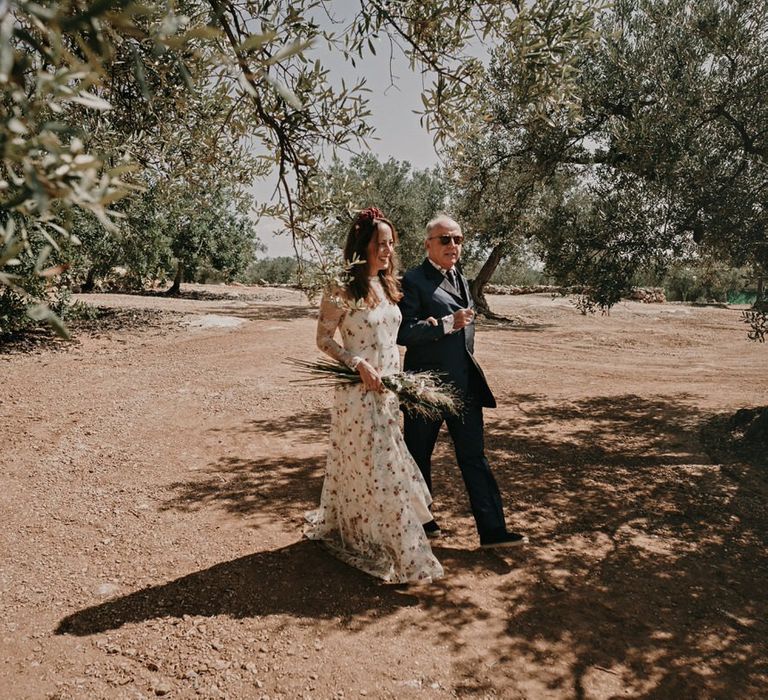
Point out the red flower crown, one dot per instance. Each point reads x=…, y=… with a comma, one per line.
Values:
x=369, y=214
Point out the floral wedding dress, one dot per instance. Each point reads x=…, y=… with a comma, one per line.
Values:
x=374, y=499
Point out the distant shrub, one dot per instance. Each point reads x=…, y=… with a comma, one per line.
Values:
x=13, y=306
x=281, y=270
x=13, y=312
x=707, y=283
x=206, y=274
x=518, y=274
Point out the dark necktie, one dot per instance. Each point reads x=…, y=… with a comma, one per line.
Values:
x=453, y=279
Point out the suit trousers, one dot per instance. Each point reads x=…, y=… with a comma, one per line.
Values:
x=466, y=431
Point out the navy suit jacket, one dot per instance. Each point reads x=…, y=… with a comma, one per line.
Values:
x=427, y=292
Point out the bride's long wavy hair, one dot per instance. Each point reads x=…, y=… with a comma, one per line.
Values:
x=364, y=229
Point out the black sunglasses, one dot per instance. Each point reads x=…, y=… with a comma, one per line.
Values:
x=445, y=240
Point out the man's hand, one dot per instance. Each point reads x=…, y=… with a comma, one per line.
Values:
x=431, y=320
x=462, y=318
x=371, y=378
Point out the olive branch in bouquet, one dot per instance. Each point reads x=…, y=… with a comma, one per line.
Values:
x=419, y=393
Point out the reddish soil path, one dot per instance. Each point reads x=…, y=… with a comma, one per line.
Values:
x=153, y=483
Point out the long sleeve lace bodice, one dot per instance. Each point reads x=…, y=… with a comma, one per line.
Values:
x=369, y=334
x=332, y=312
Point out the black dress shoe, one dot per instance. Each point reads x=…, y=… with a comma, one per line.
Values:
x=503, y=539
x=432, y=529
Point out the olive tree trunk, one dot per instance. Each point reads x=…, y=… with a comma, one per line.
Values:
x=760, y=301
x=477, y=285
x=90, y=280
x=177, y=280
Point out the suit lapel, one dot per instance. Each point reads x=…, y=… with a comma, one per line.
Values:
x=433, y=273
x=446, y=286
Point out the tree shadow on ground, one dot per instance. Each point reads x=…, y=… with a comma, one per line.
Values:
x=647, y=567
x=507, y=323
x=262, y=312
x=310, y=426
x=249, y=486
x=106, y=320
x=226, y=293
x=648, y=564
x=287, y=486
x=739, y=438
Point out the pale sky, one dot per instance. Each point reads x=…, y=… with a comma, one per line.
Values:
x=399, y=133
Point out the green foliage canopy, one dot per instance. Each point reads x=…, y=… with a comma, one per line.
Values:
x=409, y=198
x=135, y=76
x=664, y=156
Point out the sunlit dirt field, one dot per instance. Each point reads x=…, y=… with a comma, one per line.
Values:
x=153, y=482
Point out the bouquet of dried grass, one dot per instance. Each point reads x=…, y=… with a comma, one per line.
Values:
x=420, y=393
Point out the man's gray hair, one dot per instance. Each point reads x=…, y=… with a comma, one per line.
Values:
x=442, y=220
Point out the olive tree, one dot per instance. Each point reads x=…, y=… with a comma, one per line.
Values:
x=408, y=197
x=665, y=153
x=62, y=57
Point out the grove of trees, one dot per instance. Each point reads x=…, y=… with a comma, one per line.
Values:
x=409, y=198
x=609, y=139
x=663, y=158
x=136, y=118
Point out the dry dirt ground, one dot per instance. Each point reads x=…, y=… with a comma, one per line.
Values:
x=154, y=480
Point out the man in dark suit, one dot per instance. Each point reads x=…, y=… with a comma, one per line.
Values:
x=438, y=332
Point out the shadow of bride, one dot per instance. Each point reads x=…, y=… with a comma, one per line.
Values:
x=301, y=579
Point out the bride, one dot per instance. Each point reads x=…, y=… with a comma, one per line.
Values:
x=374, y=501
